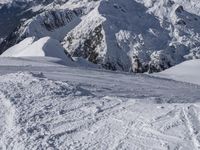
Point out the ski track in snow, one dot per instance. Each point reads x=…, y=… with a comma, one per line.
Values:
x=59, y=107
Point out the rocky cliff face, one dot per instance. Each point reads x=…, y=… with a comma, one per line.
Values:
x=13, y=12
x=127, y=35
x=54, y=23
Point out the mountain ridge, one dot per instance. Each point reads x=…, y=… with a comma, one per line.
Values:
x=137, y=36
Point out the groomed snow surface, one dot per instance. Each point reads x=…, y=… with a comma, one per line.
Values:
x=47, y=105
x=188, y=71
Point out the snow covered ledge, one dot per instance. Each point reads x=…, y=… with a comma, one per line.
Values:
x=43, y=47
x=188, y=71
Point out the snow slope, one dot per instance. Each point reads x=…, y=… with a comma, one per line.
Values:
x=51, y=106
x=42, y=47
x=31, y=50
x=18, y=48
x=188, y=71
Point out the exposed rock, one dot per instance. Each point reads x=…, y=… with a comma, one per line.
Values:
x=40, y=26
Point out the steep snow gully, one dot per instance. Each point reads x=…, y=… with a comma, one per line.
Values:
x=51, y=106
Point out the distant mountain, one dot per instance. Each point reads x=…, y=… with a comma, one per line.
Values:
x=14, y=12
x=127, y=35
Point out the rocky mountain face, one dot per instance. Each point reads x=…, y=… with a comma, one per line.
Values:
x=128, y=35
x=14, y=12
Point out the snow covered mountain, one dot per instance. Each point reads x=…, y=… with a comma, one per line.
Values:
x=55, y=93
x=14, y=12
x=128, y=35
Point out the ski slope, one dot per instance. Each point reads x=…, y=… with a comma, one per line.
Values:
x=50, y=105
x=188, y=71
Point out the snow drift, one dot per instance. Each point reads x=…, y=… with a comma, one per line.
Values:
x=43, y=47
x=188, y=71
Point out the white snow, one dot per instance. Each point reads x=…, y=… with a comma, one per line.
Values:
x=188, y=71
x=4, y=1
x=1, y=40
x=29, y=52
x=18, y=48
x=46, y=105
x=50, y=101
x=43, y=47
